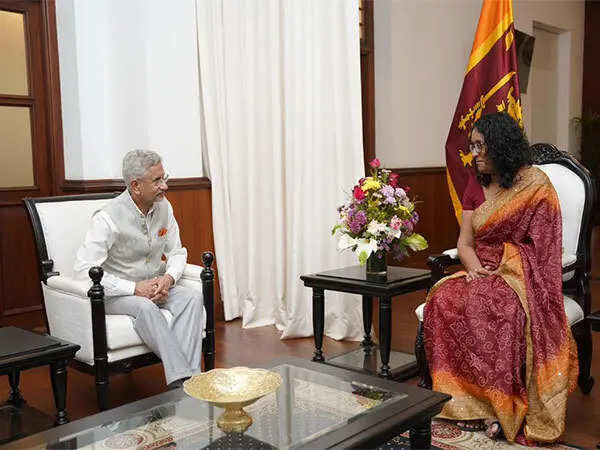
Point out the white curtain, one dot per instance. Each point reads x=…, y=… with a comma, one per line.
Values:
x=129, y=79
x=280, y=87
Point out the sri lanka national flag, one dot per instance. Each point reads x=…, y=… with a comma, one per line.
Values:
x=490, y=85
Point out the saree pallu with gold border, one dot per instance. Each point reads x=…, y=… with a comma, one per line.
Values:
x=501, y=345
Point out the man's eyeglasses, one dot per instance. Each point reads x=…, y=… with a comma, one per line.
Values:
x=477, y=147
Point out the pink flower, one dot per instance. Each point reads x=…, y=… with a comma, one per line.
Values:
x=395, y=223
x=375, y=163
x=358, y=193
x=394, y=179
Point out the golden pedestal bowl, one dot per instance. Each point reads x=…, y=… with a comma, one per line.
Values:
x=232, y=389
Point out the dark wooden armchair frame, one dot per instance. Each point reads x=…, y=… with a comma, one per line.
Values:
x=102, y=369
x=577, y=287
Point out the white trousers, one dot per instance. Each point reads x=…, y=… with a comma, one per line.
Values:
x=178, y=345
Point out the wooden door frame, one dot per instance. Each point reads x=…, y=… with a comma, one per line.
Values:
x=55, y=133
x=36, y=100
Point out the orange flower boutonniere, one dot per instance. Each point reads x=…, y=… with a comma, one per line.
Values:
x=162, y=232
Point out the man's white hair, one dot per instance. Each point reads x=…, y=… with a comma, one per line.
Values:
x=137, y=162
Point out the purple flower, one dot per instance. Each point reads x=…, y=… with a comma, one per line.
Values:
x=397, y=252
x=415, y=217
x=387, y=190
x=409, y=226
x=400, y=192
x=356, y=220
x=362, y=216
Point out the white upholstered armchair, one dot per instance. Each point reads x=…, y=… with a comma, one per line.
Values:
x=577, y=195
x=74, y=312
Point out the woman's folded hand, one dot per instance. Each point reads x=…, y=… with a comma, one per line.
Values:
x=478, y=272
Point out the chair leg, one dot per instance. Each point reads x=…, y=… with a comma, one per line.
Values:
x=425, y=381
x=209, y=355
x=583, y=338
x=102, y=386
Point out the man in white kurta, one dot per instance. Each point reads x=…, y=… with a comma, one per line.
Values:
x=128, y=239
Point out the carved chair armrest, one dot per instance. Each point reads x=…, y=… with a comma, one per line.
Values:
x=438, y=265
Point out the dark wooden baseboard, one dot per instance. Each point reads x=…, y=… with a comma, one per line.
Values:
x=110, y=185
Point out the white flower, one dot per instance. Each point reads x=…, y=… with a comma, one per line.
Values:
x=346, y=242
x=376, y=227
x=396, y=234
x=366, y=245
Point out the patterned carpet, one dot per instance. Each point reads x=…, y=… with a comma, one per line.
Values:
x=446, y=435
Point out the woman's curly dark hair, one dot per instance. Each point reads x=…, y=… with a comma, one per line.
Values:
x=506, y=145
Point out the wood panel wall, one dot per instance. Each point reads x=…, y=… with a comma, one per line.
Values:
x=193, y=210
x=438, y=223
x=591, y=73
x=20, y=292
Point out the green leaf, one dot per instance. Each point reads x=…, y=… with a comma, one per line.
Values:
x=362, y=258
x=416, y=242
x=335, y=228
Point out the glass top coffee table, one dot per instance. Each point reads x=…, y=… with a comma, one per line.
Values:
x=317, y=406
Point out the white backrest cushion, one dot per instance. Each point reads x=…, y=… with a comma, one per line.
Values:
x=571, y=195
x=64, y=225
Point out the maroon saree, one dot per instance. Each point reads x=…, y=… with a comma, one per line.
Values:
x=501, y=345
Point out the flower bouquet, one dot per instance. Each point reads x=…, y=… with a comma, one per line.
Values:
x=379, y=218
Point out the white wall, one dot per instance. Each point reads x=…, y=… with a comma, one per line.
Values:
x=421, y=53
x=543, y=112
x=129, y=79
x=567, y=18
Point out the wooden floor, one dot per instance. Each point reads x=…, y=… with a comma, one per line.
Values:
x=237, y=346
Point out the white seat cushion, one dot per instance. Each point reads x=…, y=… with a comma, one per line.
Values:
x=568, y=259
x=419, y=312
x=572, y=309
x=120, y=332
x=128, y=352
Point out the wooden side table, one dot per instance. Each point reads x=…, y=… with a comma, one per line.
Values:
x=22, y=349
x=353, y=279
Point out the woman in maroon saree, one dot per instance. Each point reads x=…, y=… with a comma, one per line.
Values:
x=496, y=334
